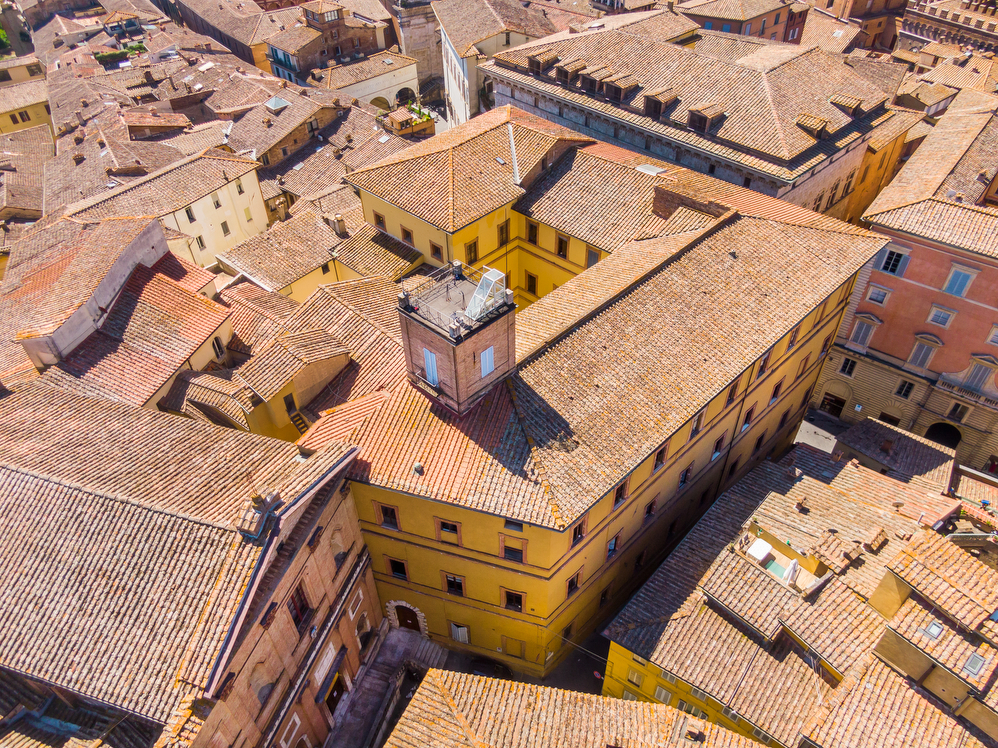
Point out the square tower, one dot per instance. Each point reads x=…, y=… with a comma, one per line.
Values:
x=459, y=334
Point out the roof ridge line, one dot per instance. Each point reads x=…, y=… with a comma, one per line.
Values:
x=772, y=109
x=458, y=716
x=552, y=502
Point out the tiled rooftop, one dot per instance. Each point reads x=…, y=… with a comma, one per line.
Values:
x=258, y=316
x=466, y=172
x=733, y=10
x=935, y=193
x=455, y=710
x=286, y=252
x=268, y=371
x=100, y=537
x=167, y=190
x=372, y=252
x=154, y=327
x=692, y=298
x=468, y=22
x=53, y=269
x=760, y=96
x=720, y=621
x=907, y=455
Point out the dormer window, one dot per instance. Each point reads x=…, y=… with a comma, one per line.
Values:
x=704, y=116
x=848, y=104
x=653, y=107
x=534, y=66
x=588, y=83
x=540, y=60
x=613, y=92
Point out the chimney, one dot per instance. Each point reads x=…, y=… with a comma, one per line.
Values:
x=339, y=225
x=459, y=335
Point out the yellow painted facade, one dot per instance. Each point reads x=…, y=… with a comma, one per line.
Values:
x=31, y=115
x=645, y=520
x=517, y=258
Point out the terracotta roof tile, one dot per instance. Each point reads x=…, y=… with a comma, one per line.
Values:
x=258, y=316
x=268, y=371
x=286, y=252
x=952, y=580
x=154, y=327
x=92, y=633
x=455, y=710
x=466, y=172
x=372, y=252
x=907, y=455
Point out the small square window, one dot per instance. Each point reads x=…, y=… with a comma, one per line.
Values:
x=573, y=584
x=650, y=509
x=325, y=268
x=190, y=214
x=471, y=252
x=239, y=187
x=389, y=517
x=398, y=569
x=941, y=317
x=449, y=531
x=199, y=240
x=619, y=494
x=379, y=221
x=454, y=585
x=513, y=601
x=904, y=389
x=563, y=246
x=764, y=363
x=783, y=419
x=406, y=235
x=532, y=232
x=284, y=151
x=578, y=533
x=24, y=116
x=511, y=524
x=436, y=251
x=958, y=412
x=225, y=228
x=877, y=295
x=660, y=457
x=459, y=633
x=531, y=284
x=848, y=367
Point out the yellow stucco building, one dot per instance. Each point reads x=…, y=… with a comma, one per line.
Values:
x=24, y=105
x=521, y=473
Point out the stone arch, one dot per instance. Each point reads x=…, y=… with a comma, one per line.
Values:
x=944, y=433
x=405, y=96
x=391, y=610
x=381, y=102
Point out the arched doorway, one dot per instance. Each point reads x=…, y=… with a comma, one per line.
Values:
x=405, y=96
x=944, y=433
x=381, y=102
x=406, y=616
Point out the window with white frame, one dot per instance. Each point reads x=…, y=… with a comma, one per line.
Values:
x=628, y=696
x=921, y=354
x=848, y=367
x=861, y=332
x=488, y=361
x=940, y=316
x=459, y=633
x=430, y=364
x=959, y=280
x=978, y=376
x=878, y=294
x=662, y=696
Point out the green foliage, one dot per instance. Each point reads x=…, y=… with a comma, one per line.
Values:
x=105, y=58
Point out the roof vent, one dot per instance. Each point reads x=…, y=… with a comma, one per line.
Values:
x=650, y=169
